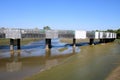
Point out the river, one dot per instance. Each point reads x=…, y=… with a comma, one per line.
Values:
x=82, y=63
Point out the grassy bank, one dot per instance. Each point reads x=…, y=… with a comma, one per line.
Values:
x=4, y=42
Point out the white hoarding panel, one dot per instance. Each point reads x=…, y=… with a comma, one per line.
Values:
x=107, y=35
x=96, y=35
x=113, y=35
x=110, y=35
x=80, y=34
x=101, y=34
x=13, y=33
x=51, y=34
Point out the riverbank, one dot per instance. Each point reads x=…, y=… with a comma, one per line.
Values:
x=115, y=74
x=92, y=63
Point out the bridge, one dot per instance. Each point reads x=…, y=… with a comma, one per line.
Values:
x=15, y=34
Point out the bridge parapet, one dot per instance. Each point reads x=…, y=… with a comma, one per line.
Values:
x=100, y=35
x=40, y=33
x=33, y=33
x=66, y=34
x=12, y=33
x=80, y=34
x=51, y=34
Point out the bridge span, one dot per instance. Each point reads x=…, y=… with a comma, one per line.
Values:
x=15, y=35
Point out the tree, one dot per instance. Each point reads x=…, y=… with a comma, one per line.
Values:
x=46, y=28
x=110, y=30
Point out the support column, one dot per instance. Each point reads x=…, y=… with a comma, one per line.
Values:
x=18, y=44
x=74, y=42
x=11, y=44
x=107, y=40
x=91, y=41
x=103, y=40
x=100, y=41
x=48, y=43
x=113, y=39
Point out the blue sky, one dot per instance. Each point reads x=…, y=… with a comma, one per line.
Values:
x=60, y=14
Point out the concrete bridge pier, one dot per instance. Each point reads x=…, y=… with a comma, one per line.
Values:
x=109, y=40
x=11, y=44
x=18, y=44
x=105, y=40
x=113, y=39
x=48, y=44
x=91, y=41
x=14, y=42
x=74, y=42
x=101, y=40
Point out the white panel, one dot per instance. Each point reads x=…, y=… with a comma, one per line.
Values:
x=51, y=34
x=13, y=33
x=110, y=35
x=80, y=34
x=107, y=35
x=96, y=35
x=113, y=35
x=101, y=34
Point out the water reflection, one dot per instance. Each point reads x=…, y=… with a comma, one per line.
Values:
x=14, y=64
x=48, y=53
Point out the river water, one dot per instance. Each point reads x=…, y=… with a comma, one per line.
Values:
x=32, y=58
x=80, y=63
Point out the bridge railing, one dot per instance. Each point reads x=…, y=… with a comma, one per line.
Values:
x=100, y=35
x=66, y=34
x=29, y=33
x=40, y=33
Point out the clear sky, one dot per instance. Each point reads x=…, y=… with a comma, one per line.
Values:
x=60, y=14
